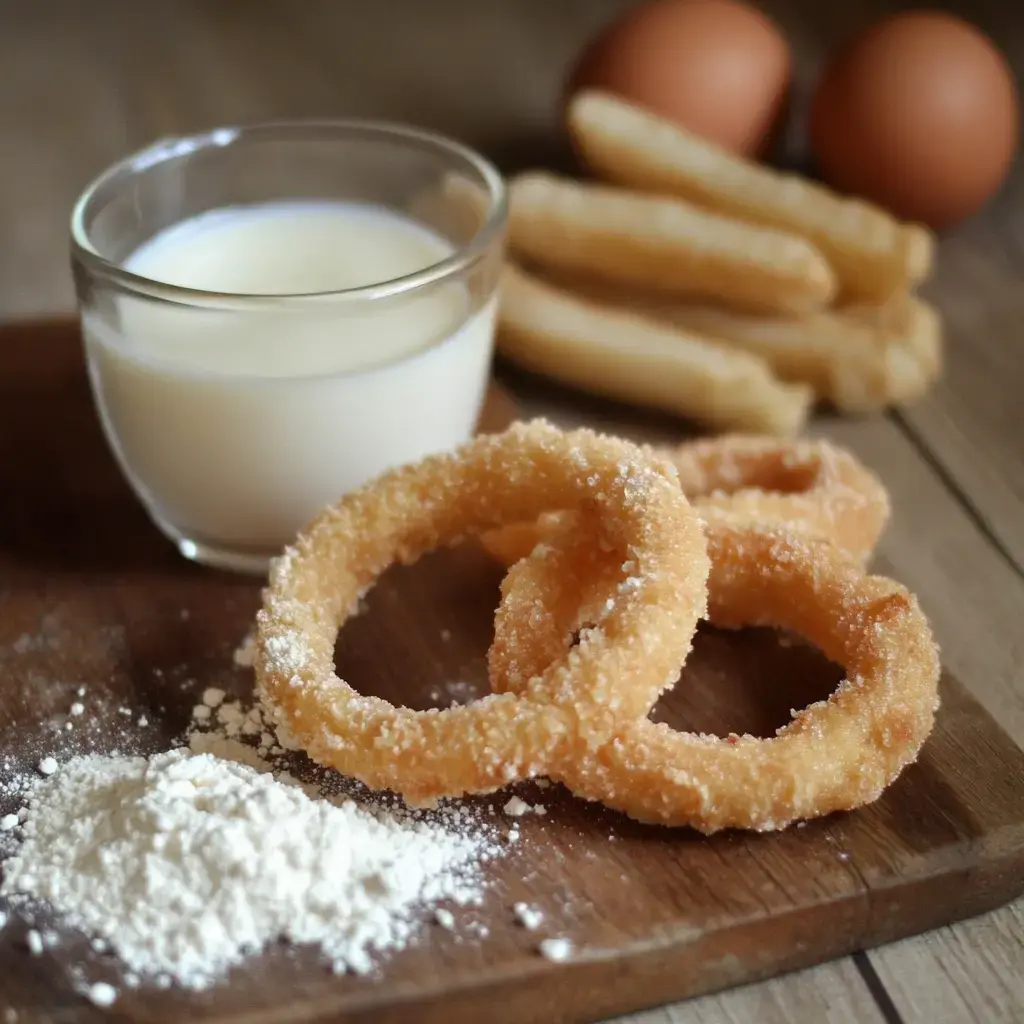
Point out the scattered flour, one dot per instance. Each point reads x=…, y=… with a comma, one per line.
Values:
x=213, y=696
x=529, y=917
x=245, y=652
x=184, y=863
x=102, y=994
x=517, y=807
x=558, y=950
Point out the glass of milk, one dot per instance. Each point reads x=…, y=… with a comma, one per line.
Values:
x=274, y=315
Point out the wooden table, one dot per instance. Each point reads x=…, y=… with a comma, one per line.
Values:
x=81, y=84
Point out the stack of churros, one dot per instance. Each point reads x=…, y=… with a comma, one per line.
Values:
x=691, y=280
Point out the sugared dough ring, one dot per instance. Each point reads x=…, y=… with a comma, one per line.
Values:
x=811, y=484
x=315, y=586
x=835, y=755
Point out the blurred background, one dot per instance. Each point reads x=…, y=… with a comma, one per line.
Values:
x=81, y=84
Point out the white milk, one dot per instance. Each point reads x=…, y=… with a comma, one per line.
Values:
x=236, y=425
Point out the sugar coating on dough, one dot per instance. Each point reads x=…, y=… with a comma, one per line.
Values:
x=640, y=511
x=834, y=755
x=812, y=485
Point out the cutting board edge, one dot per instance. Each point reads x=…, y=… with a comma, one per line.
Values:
x=596, y=1000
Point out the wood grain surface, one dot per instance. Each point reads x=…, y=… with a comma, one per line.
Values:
x=654, y=914
x=81, y=84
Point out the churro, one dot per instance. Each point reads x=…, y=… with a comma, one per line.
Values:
x=859, y=358
x=873, y=254
x=624, y=356
x=664, y=245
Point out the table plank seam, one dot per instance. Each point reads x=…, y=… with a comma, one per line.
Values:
x=879, y=993
x=946, y=477
x=861, y=960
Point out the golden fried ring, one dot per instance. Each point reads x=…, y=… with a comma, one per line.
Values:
x=834, y=755
x=811, y=484
x=315, y=586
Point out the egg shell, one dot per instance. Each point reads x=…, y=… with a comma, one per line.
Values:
x=919, y=113
x=718, y=67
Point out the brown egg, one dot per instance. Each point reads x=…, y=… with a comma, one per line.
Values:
x=920, y=114
x=717, y=67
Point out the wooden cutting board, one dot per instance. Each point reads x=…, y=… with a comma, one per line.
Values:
x=91, y=595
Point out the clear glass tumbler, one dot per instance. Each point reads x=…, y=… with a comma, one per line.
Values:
x=236, y=415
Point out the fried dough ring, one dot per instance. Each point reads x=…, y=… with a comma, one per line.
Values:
x=632, y=500
x=812, y=484
x=834, y=755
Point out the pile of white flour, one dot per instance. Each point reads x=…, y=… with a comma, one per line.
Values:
x=184, y=863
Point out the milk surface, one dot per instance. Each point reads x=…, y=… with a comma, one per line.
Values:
x=236, y=424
